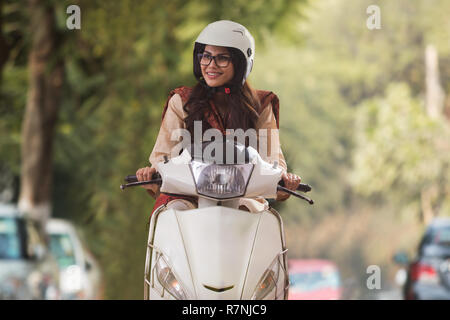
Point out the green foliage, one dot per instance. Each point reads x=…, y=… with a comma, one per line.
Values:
x=340, y=65
x=400, y=151
x=11, y=109
x=314, y=122
x=358, y=137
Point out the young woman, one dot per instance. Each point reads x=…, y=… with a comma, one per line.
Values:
x=222, y=99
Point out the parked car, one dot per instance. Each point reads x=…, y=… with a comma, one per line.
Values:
x=80, y=276
x=27, y=268
x=314, y=279
x=428, y=275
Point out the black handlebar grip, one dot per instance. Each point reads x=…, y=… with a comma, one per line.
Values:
x=303, y=187
x=133, y=178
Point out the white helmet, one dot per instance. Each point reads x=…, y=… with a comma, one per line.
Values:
x=226, y=33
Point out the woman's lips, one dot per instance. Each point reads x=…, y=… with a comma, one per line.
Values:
x=213, y=75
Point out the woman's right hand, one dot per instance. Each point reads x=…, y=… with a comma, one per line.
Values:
x=145, y=174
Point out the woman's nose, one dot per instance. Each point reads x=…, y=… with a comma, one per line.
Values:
x=215, y=66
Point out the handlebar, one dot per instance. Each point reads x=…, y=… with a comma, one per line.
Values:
x=303, y=187
x=156, y=179
x=132, y=178
x=132, y=181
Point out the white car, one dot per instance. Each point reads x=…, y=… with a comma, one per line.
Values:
x=27, y=268
x=80, y=276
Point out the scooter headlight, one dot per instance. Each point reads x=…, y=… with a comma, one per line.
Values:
x=168, y=280
x=268, y=281
x=221, y=181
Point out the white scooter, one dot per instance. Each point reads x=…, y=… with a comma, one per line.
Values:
x=217, y=251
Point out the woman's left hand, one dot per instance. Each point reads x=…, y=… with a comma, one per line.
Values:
x=291, y=182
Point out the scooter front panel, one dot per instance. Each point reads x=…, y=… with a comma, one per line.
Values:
x=167, y=240
x=217, y=252
x=218, y=242
x=268, y=247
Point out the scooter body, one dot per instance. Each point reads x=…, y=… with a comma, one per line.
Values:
x=217, y=251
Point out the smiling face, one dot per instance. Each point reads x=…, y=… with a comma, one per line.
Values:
x=214, y=75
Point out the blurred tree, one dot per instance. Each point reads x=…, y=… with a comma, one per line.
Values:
x=434, y=101
x=342, y=67
x=403, y=154
x=4, y=46
x=46, y=72
x=341, y=64
x=12, y=97
x=314, y=123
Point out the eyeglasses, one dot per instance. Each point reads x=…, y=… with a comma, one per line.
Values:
x=220, y=60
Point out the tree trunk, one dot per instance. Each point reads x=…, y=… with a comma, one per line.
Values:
x=4, y=48
x=434, y=93
x=46, y=72
x=427, y=197
x=447, y=108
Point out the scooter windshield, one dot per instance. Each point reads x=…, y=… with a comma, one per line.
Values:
x=224, y=151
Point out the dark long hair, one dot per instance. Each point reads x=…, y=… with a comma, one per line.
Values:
x=242, y=103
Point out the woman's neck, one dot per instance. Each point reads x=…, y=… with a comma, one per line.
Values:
x=219, y=98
